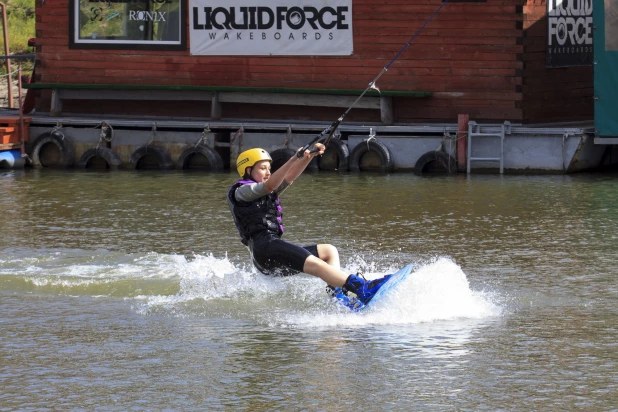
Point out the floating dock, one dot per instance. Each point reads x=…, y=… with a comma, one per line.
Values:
x=131, y=143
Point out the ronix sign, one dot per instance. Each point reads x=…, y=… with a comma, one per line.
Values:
x=280, y=27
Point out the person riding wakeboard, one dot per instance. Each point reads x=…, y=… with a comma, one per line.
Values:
x=257, y=211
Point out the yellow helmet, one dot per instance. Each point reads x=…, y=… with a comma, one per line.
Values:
x=250, y=157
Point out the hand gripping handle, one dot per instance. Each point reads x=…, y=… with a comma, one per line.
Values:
x=326, y=132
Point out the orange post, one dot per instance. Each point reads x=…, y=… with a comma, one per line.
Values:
x=462, y=141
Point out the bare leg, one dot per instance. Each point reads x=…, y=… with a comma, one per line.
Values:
x=329, y=254
x=330, y=274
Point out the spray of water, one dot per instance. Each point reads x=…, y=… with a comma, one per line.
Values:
x=437, y=291
x=205, y=285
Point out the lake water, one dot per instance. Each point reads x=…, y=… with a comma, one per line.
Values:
x=130, y=291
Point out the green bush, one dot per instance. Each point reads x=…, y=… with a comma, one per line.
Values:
x=20, y=27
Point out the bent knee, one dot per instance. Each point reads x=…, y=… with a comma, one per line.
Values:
x=329, y=253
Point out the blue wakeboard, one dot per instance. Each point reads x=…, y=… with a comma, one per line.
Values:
x=356, y=305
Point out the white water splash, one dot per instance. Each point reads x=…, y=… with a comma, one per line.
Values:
x=206, y=278
x=436, y=291
x=204, y=284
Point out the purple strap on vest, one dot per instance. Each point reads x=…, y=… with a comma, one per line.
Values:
x=280, y=210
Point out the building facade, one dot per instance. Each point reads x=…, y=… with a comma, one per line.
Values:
x=484, y=59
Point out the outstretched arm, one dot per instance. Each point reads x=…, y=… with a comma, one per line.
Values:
x=293, y=168
x=301, y=164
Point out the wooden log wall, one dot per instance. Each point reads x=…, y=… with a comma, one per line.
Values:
x=469, y=57
x=551, y=94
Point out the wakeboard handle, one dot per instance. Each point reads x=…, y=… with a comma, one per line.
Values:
x=330, y=130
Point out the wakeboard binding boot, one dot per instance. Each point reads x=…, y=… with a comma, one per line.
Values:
x=357, y=291
x=364, y=289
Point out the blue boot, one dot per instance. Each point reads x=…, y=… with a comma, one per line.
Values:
x=344, y=299
x=364, y=289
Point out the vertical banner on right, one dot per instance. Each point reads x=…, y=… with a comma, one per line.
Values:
x=569, y=33
x=606, y=68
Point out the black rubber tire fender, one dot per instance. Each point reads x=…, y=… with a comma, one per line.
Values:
x=61, y=141
x=343, y=154
x=280, y=156
x=107, y=154
x=214, y=159
x=436, y=157
x=163, y=158
x=371, y=145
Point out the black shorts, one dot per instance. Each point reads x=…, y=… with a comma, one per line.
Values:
x=274, y=256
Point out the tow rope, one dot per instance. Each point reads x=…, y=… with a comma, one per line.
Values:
x=330, y=130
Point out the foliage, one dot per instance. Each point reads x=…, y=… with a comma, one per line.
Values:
x=20, y=28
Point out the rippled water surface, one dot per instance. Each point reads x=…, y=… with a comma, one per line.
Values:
x=131, y=291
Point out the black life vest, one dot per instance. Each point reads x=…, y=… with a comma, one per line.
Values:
x=261, y=214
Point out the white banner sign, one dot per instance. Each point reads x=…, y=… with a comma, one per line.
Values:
x=271, y=27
